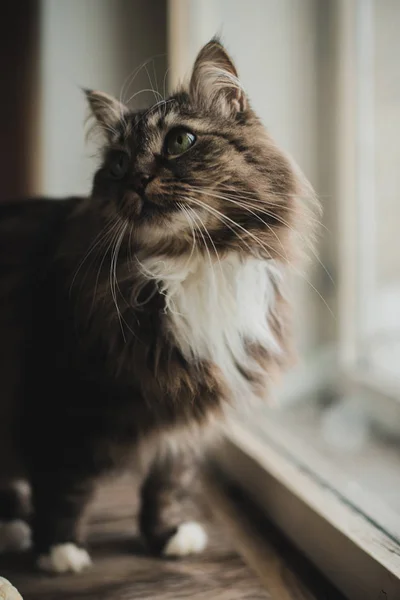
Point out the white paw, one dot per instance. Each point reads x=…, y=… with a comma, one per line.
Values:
x=189, y=539
x=15, y=536
x=64, y=558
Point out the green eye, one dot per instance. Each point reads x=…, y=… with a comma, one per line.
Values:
x=178, y=141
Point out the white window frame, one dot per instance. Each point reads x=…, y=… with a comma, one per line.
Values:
x=361, y=303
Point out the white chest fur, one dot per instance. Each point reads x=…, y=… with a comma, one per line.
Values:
x=213, y=310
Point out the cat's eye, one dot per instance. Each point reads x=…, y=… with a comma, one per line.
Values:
x=118, y=164
x=178, y=141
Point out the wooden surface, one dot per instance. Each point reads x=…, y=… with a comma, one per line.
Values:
x=123, y=571
x=284, y=572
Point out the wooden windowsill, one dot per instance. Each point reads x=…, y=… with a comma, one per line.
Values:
x=246, y=558
x=359, y=558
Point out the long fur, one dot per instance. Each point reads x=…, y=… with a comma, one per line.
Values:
x=133, y=318
x=214, y=309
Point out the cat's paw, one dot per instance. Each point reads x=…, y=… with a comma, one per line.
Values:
x=64, y=558
x=15, y=536
x=190, y=538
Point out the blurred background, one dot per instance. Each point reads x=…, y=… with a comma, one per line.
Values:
x=324, y=77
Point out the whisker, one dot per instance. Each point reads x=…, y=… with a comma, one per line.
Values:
x=99, y=270
x=114, y=285
x=246, y=205
x=114, y=244
x=256, y=197
x=259, y=218
x=262, y=245
x=133, y=76
x=118, y=248
x=99, y=239
x=191, y=225
x=312, y=196
x=155, y=76
x=129, y=80
x=246, y=231
x=223, y=219
x=308, y=244
x=206, y=248
x=272, y=194
x=165, y=83
x=151, y=91
x=129, y=250
x=151, y=84
x=197, y=216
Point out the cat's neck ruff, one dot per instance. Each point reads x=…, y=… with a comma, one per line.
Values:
x=215, y=310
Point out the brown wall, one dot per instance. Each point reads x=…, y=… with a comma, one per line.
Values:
x=19, y=104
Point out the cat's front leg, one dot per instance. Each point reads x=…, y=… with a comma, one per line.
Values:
x=59, y=502
x=170, y=479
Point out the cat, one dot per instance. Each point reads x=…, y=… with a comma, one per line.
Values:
x=133, y=319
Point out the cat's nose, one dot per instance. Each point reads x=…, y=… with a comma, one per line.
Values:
x=140, y=182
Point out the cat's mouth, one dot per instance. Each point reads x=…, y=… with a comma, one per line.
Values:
x=145, y=208
x=151, y=208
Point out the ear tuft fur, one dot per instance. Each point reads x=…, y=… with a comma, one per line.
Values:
x=106, y=110
x=215, y=82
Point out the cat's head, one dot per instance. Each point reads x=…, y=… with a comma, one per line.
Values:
x=197, y=170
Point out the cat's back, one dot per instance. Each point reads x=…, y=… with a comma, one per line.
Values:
x=29, y=233
x=28, y=230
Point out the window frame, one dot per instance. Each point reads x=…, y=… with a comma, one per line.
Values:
x=358, y=293
x=359, y=558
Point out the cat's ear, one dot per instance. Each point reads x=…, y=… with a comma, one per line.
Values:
x=107, y=111
x=214, y=81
